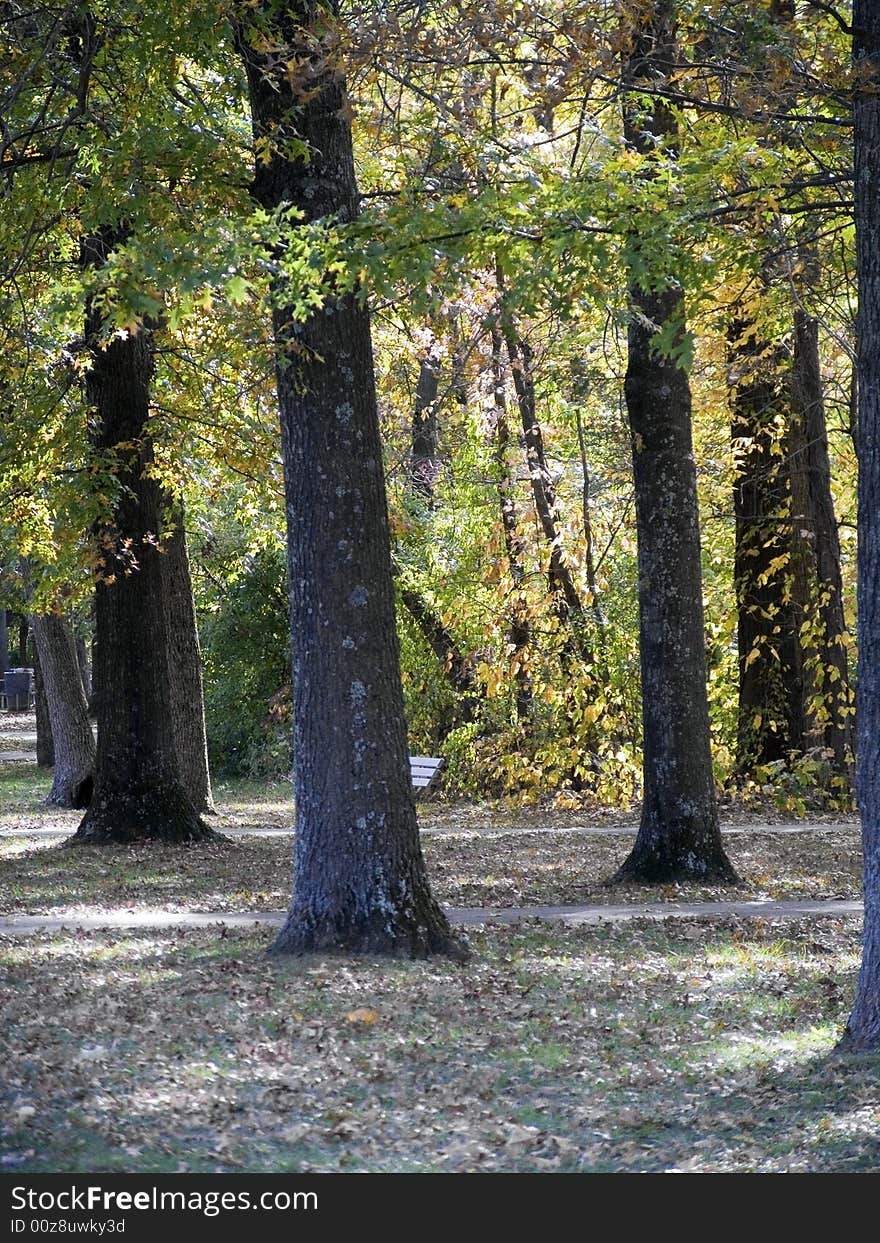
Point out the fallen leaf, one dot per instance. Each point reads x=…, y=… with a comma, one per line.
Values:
x=363, y=1015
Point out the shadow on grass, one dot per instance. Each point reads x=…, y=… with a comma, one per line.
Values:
x=628, y=1048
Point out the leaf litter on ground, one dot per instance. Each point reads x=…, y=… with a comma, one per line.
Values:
x=685, y=1045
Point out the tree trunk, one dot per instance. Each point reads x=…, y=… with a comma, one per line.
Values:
x=425, y=432
x=45, y=743
x=23, y=628
x=863, y=1029
x=422, y=480
x=562, y=585
x=93, y=666
x=138, y=794
x=771, y=721
x=678, y=836
x=815, y=527
x=68, y=712
x=360, y=883
x=519, y=633
x=186, y=703
x=589, y=550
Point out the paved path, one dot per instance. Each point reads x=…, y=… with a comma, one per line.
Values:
x=440, y=830
x=573, y=916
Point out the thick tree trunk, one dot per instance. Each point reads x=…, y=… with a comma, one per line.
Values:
x=45, y=743
x=360, y=883
x=186, y=704
x=863, y=1029
x=678, y=835
x=138, y=794
x=815, y=529
x=771, y=720
x=68, y=712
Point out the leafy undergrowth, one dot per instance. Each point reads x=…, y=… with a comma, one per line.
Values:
x=688, y=1046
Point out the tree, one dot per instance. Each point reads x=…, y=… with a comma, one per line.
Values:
x=794, y=680
x=771, y=716
x=817, y=541
x=678, y=835
x=74, y=743
x=863, y=1029
x=138, y=792
x=186, y=702
x=45, y=743
x=359, y=877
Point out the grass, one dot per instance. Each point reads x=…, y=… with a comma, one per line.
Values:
x=638, y=1047
x=557, y=867
x=685, y=1045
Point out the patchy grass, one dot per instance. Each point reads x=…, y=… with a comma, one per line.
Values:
x=22, y=789
x=556, y=867
x=690, y=1045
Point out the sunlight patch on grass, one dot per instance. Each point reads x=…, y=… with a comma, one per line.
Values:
x=740, y=1051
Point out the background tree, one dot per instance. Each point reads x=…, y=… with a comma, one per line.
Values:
x=185, y=698
x=71, y=730
x=678, y=834
x=138, y=792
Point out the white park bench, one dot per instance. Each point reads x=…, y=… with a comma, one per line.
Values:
x=424, y=771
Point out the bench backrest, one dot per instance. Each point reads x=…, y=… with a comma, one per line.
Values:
x=424, y=771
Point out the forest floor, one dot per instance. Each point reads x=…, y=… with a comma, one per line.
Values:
x=695, y=1044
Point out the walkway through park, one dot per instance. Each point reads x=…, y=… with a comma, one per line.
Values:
x=573, y=916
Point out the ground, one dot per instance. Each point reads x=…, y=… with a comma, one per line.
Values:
x=681, y=1044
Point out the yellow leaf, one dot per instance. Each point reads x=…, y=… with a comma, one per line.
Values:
x=363, y=1015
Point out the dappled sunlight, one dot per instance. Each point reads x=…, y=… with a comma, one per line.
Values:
x=626, y=1047
x=618, y=1047
x=519, y=869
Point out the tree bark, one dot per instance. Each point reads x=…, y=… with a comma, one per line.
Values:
x=771, y=718
x=520, y=632
x=425, y=432
x=138, y=793
x=863, y=1029
x=186, y=703
x=815, y=528
x=678, y=835
x=360, y=883
x=45, y=744
x=68, y=712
